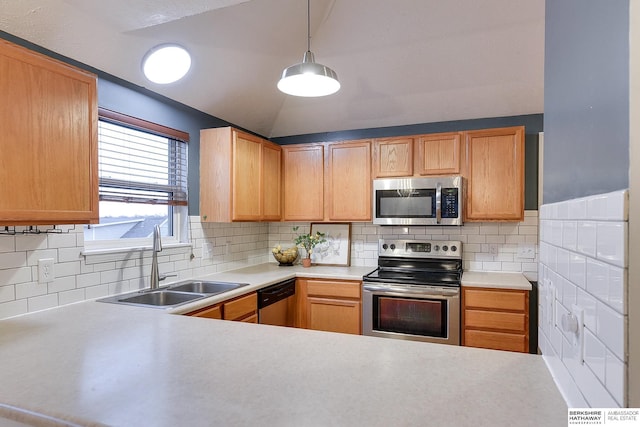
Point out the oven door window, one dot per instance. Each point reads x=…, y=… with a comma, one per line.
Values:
x=409, y=203
x=414, y=316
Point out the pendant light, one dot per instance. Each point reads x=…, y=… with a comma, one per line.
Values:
x=309, y=78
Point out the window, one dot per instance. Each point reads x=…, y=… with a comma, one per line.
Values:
x=142, y=171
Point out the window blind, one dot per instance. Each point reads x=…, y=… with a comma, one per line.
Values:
x=137, y=166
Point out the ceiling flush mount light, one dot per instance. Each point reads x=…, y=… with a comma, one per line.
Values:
x=309, y=78
x=166, y=63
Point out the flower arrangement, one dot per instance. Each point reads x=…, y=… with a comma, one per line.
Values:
x=309, y=241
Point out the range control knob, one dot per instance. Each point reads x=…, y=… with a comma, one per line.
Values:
x=385, y=246
x=436, y=248
x=393, y=247
x=445, y=248
x=454, y=248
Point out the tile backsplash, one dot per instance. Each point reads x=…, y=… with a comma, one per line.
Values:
x=583, y=297
x=219, y=247
x=486, y=246
x=79, y=277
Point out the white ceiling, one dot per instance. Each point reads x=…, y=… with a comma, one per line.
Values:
x=399, y=61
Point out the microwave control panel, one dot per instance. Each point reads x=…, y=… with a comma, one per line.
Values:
x=450, y=203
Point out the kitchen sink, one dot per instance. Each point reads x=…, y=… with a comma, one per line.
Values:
x=161, y=298
x=203, y=287
x=174, y=295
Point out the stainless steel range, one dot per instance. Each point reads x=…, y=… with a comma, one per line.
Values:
x=414, y=294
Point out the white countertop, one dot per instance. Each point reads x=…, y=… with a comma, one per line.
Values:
x=93, y=363
x=130, y=366
x=499, y=280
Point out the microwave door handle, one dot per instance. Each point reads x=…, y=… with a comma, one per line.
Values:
x=438, y=203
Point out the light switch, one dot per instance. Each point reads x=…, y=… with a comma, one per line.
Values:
x=526, y=251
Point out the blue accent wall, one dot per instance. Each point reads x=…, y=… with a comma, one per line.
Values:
x=586, y=98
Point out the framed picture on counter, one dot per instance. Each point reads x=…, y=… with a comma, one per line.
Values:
x=337, y=248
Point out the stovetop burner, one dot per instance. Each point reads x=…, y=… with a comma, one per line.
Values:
x=429, y=263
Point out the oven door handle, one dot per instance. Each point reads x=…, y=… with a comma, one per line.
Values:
x=413, y=290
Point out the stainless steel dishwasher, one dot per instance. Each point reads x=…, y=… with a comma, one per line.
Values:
x=275, y=303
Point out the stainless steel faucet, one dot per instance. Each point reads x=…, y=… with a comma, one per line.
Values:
x=157, y=247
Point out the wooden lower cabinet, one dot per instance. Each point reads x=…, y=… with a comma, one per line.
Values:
x=243, y=308
x=495, y=318
x=329, y=305
x=212, y=312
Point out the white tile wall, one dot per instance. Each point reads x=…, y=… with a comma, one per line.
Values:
x=508, y=239
x=80, y=277
x=583, y=266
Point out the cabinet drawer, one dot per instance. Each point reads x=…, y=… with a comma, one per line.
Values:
x=241, y=307
x=332, y=288
x=214, y=312
x=495, y=299
x=495, y=320
x=496, y=340
x=251, y=319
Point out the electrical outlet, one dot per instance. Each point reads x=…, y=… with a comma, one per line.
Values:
x=206, y=250
x=493, y=249
x=46, y=272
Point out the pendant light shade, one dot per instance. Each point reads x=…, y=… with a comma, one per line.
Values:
x=309, y=78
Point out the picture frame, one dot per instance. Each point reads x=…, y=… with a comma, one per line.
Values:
x=337, y=248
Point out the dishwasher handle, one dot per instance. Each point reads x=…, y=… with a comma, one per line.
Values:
x=274, y=293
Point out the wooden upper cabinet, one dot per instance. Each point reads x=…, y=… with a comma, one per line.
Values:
x=495, y=174
x=271, y=172
x=303, y=182
x=438, y=154
x=392, y=157
x=348, y=182
x=246, y=180
x=49, y=156
x=239, y=177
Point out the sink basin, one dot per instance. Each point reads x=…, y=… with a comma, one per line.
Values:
x=161, y=298
x=203, y=287
x=177, y=294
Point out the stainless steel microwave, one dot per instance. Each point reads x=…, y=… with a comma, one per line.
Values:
x=418, y=201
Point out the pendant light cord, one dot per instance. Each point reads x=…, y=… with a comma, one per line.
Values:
x=308, y=26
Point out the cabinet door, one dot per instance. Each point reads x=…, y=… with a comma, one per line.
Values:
x=349, y=181
x=303, y=182
x=438, y=154
x=329, y=305
x=247, y=174
x=333, y=315
x=392, y=157
x=271, y=188
x=215, y=174
x=495, y=174
x=49, y=160
x=241, y=308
